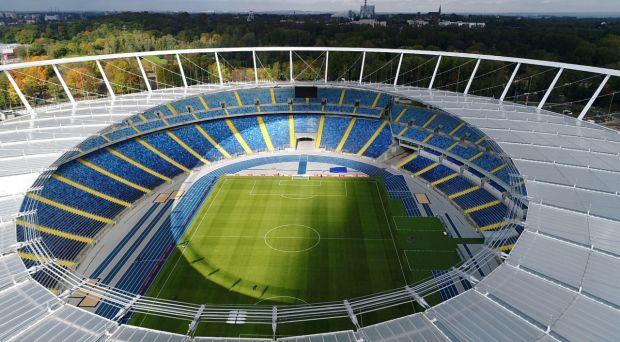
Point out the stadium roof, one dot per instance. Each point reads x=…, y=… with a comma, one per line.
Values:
x=560, y=281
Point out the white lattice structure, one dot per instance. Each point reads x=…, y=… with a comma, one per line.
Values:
x=561, y=281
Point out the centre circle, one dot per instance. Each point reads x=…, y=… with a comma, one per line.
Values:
x=292, y=238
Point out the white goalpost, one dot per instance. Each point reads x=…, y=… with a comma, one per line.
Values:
x=300, y=177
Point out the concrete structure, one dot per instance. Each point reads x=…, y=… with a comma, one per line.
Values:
x=559, y=283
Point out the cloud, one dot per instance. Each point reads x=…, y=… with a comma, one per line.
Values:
x=478, y=6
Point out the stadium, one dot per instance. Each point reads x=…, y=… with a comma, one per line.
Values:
x=344, y=200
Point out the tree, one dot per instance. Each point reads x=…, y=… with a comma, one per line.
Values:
x=26, y=35
x=83, y=79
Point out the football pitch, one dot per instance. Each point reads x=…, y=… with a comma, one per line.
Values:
x=278, y=241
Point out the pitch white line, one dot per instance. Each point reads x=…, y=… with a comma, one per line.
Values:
x=293, y=197
x=317, y=238
x=387, y=220
x=290, y=237
x=190, y=239
x=270, y=298
x=298, y=183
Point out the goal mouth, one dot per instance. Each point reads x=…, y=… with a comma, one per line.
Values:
x=300, y=177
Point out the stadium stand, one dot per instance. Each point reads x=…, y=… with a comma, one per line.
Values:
x=554, y=285
x=278, y=127
x=333, y=131
x=360, y=134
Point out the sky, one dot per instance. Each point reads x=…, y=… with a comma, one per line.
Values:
x=448, y=6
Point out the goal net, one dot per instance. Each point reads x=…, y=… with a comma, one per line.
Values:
x=300, y=177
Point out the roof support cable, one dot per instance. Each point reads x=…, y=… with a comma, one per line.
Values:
x=194, y=324
x=352, y=316
x=274, y=321
x=417, y=297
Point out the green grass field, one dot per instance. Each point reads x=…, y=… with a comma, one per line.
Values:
x=277, y=241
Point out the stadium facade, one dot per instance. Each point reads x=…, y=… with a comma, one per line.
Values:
x=555, y=178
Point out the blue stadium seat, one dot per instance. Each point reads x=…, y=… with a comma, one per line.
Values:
x=242, y=110
x=181, y=106
x=279, y=131
x=139, y=153
x=308, y=123
x=474, y=198
x=169, y=147
x=447, y=122
x=440, y=141
x=215, y=100
x=366, y=98
x=73, y=197
x=332, y=95
x=178, y=119
x=415, y=134
x=194, y=139
x=92, y=143
x=219, y=131
x=488, y=161
x=283, y=95
x=251, y=133
x=333, y=130
x=437, y=173
x=212, y=113
x=454, y=185
x=360, y=134
x=121, y=133
x=60, y=219
x=464, y=152
x=78, y=172
x=151, y=125
x=381, y=143
x=248, y=96
x=418, y=163
x=491, y=215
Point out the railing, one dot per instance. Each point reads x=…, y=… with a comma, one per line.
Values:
x=69, y=281
x=66, y=281
x=322, y=75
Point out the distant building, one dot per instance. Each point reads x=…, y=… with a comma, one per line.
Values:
x=51, y=17
x=8, y=53
x=371, y=22
x=435, y=17
x=11, y=15
x=367, y=11
x=417, y=22
x=462, y=24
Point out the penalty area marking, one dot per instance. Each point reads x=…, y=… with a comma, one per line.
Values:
x=310, y=183
x=318, y=238
x=303, y=197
